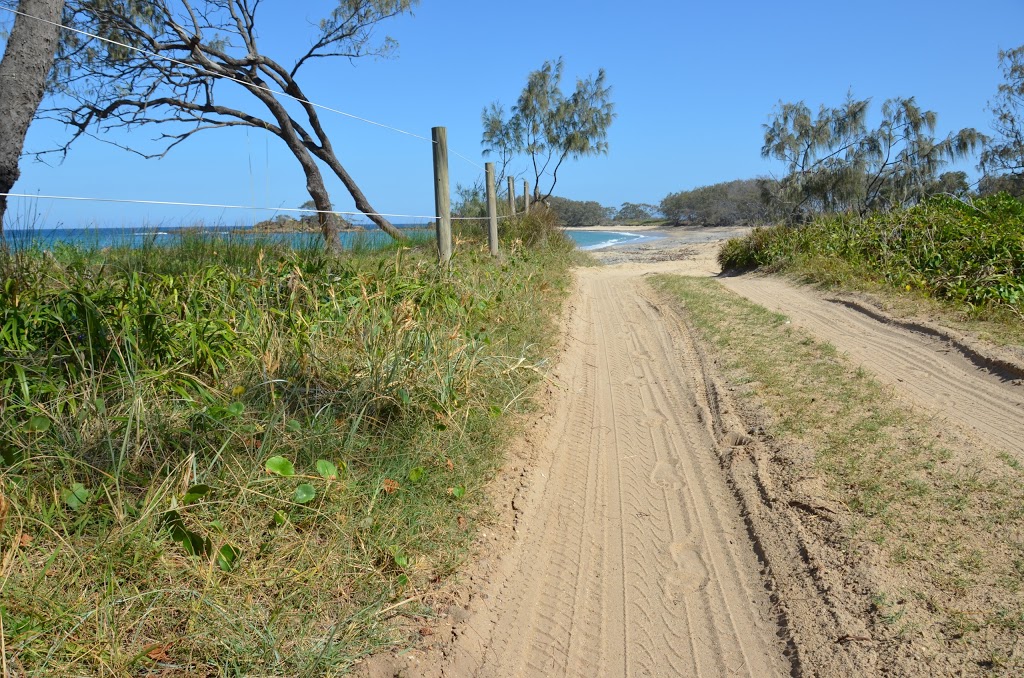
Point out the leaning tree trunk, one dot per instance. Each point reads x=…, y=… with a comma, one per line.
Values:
x=325, y=151
x=26, y=64
x=328, y=222
x=362, y=204
x=318, y=192
x=314, y=179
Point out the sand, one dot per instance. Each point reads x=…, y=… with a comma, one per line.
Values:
x=641, y=531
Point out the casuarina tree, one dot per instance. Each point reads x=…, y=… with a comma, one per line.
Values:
x=24, y=72
x=172, y=65
x=835, y=162
x=1004, y=153
x=549, y=127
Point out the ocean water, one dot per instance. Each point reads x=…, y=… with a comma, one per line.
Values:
x=595, y=240
x=100, y=238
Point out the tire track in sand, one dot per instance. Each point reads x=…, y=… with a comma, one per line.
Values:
x=922, y=368
x=634, y=559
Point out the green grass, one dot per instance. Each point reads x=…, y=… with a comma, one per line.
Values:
x=230, y=458
x=946, y=521
x=969, y=257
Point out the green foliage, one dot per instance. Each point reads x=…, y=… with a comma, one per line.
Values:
x=540, y=228
x=742, y=254
x=576, y=213
x=37, y=425
x=725, y=204
x=328, y=470
x=280, y=466
x=471, y=201
x=969, y=254
x=226, y=557
x=548, y=127
x=630, y=211
x=950, y=183
x=304, y=494
x=260, y=503
x=1004, y=153
x=1012, y=184
x=195, y=493
x=76, y=496
x=835, y=163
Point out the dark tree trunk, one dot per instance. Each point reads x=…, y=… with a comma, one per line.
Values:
x=328, y=222
x=362, y=204
x=317, y=191
x=25, y=67
x=314, y=179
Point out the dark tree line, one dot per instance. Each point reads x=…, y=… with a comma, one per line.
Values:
x=724, y=204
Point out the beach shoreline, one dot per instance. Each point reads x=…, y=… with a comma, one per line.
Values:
x=664, y=242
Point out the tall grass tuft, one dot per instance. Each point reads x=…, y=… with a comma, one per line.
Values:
x=231, y=457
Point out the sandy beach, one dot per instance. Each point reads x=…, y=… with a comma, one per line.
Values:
x=670, y=243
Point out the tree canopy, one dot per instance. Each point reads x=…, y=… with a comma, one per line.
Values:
x=174, y=60
x=723, y=204
x=578, y=213
x=633, y=211
x=835, y=162
x=547, y=127
x=1004, y=153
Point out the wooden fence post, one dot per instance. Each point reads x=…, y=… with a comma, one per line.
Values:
x=442, y=196
x=492, y=209
x=526, y=196
x=512, y=195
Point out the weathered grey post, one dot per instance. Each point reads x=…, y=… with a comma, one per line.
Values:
x=442, y=196
x=492, y=209
x=512, y=195
x=526, y=196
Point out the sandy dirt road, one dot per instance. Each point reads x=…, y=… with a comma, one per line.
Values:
x=632, y=544
x=984, y=400
x=633, y=558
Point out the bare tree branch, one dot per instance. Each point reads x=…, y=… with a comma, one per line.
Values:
x=187, y=49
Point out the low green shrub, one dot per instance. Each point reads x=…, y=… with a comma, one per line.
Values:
x=971, y=254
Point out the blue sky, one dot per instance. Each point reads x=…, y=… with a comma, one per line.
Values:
x=693, y=84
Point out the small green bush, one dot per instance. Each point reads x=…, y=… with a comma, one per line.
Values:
x=971, y=254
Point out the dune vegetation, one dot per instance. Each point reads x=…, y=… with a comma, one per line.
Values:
x=230, y=457
x=969, y=254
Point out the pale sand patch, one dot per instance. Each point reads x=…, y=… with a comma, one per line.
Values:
x=621, y=547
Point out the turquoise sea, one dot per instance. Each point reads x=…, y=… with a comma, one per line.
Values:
x=595, y=240
x=138, y=237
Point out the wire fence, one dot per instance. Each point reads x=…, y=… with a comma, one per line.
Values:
x=249, y=85
x=175, y=203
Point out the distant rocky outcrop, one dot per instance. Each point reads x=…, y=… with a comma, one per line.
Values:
x=307, y=224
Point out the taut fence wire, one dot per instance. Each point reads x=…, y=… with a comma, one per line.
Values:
x=199, y=69
x=439, y=219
